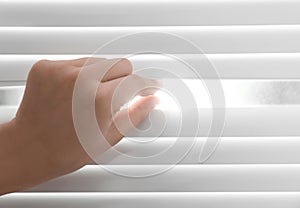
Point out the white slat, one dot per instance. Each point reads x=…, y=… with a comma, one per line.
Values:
x=210, y=39
x=231, y=150
x=196, y=178
x=252, y=121
x=228, y=66
x=11, y=95
x=153, y=199
x=147, y=12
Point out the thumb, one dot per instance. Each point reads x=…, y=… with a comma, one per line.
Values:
x=129, y=118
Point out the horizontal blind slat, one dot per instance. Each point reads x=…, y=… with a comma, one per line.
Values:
x=150, y=200
x=231, y=150
x=210, y=39
x=182, y=178
x=149, y=12
x=258, y=121
x=228, y=66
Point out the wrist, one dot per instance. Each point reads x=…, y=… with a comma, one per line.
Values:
x=21, y=167
x=8, y=159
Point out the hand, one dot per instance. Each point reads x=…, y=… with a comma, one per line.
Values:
x=41, y=142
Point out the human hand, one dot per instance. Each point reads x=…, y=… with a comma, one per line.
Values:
x=42, y=143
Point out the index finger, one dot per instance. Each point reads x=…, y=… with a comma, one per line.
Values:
x=114, y=68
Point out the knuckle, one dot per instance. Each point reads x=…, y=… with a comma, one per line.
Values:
x=42, y=62
x=126, y=64
x=38, y=69
x=39, y=64
x=52, y=71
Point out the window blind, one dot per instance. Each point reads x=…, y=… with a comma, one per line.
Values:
x=255, y=48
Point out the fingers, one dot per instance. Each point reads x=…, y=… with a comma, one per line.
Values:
x=84, y=61
x=124, y=89
x=127, y=119
x=118, y=68
x=106, y=69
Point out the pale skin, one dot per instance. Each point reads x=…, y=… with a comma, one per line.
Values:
x=40, y=143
